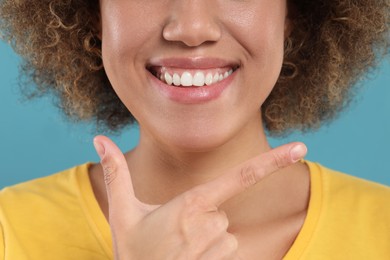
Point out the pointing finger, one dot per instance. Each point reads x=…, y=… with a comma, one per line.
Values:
x=249, y=173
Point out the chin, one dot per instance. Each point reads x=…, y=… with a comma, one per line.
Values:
x=198, y=141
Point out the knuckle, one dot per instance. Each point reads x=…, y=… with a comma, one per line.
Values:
x=224, y=221
x=185, y=230
x=231, y=242
x=194, y=200
x=218, y=223
x=249, y=175
x=280, y=160
x=110, y=170
x=189, y=213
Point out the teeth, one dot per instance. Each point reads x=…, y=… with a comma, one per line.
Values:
x=209, y=79
x=225, y=75
x=198, y=80
x=168, y=78
x=176, y=79
x=186, y=79
x=216, y=78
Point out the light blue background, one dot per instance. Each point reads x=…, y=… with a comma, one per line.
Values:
x=37, y=141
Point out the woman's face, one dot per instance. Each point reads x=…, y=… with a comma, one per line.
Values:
x=150, y=46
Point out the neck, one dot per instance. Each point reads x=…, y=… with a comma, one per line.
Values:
x=168, y=171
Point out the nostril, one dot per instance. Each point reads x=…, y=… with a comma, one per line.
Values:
x=192, y=30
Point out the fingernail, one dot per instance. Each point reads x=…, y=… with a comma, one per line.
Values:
x=99, y=148
x=298, y=152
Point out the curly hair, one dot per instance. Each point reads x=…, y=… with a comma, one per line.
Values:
x=333, y=44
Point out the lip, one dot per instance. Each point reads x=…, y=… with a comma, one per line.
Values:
x=192, y=63
x=192, y=95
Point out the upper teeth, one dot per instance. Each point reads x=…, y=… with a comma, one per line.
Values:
x=186, y=79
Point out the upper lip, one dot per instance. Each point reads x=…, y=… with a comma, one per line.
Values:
x=192, y=62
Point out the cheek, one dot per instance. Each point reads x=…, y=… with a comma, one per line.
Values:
x=124, y=29
x=259, y=27
x=117, y=40
x=260, y=33
x=122, y=36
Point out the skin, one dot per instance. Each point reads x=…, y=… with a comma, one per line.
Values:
x=198, y=152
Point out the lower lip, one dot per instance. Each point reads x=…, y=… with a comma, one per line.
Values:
x=192, y=95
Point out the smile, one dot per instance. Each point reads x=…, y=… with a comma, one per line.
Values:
x=191, y=77
x=192, y=80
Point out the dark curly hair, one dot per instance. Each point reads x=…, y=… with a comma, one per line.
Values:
x=333, y=44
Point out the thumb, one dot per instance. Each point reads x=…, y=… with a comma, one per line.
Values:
x=123, y=205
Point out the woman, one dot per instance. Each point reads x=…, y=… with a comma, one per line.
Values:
x=204, y=80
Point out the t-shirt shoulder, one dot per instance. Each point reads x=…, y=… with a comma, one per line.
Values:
x=54, y=215
x=62, y=184
x=338, y=184
x=352, y=217
x=45, y=198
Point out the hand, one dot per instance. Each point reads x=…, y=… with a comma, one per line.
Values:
x=190, y=226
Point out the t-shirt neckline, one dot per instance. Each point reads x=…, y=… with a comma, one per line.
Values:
x=305, y=235
x=94, y=214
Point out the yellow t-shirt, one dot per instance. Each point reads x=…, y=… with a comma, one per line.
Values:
x=58, y=217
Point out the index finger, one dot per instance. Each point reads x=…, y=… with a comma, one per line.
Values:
x=247, y=174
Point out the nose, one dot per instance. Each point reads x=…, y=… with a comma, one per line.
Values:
x=192, y=22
